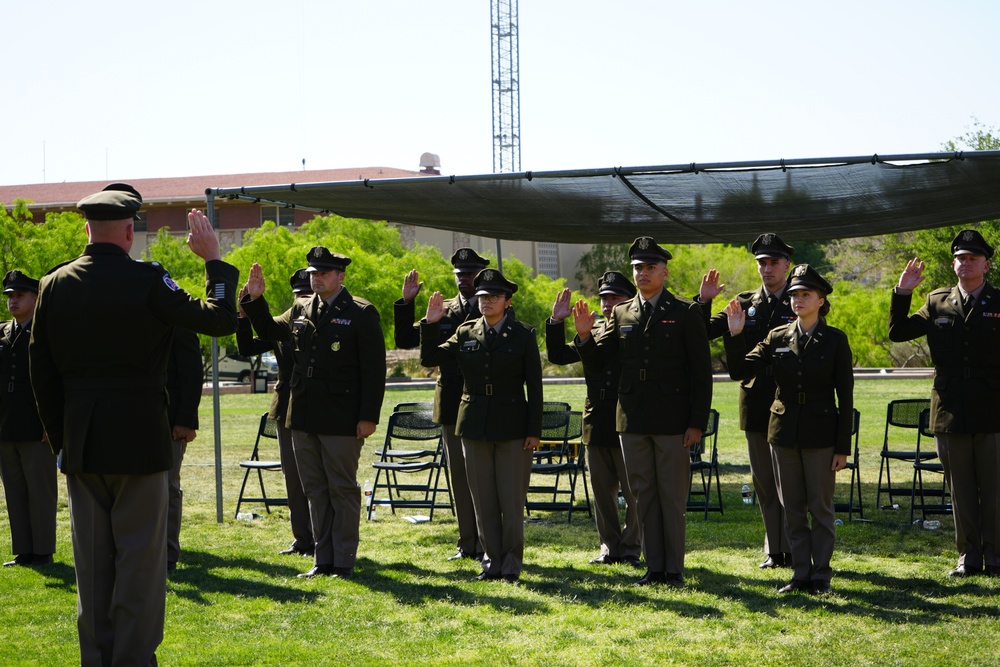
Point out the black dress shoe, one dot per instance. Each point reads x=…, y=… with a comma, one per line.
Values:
x=171, y=567
x=512, y=578
x=773, y=560
x=20, y=559
x=485, y=576
x=796, y=585
x=458, y=555
x=343, y=572
x=964, y=571
x=604, y=559
x=674, y=580
x=41, y=559
x=788, y=559
x=634, y=561
x=651, y=578
x=318, y=571
x=820, y=586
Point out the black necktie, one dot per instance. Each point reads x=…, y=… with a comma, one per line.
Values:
x=491, y=336
x=803, y=339
x=967, y=303
x=647, y=311
x=17, y=330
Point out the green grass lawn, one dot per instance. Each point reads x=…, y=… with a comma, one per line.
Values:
x=235, y=601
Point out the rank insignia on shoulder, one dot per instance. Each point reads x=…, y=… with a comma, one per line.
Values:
x=169, y=282
x=335, y=346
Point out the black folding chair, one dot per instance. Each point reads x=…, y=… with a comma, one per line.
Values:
x=560, y=460
x=267, y=429
x=928, y=462
x=853, y=465
x=902, y=414
x=422, y=465
x=707, y=464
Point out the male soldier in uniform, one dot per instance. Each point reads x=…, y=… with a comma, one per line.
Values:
x=766, y=308
x=248, y=346
x=338, y=383
x=604, y=451
x=962, y=325
x=460, y=308
x=27, y=465
x=185, y=377
x=100, y=394
x=664, y=397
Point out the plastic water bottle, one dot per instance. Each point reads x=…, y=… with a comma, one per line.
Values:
x=369, y=510
x=747, y=494
x=931, y=525
x=246, y=516
x=838, y=522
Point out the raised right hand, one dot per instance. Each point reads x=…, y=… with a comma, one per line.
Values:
x=912, y=275
x=562, y=308
x=255, y=281
x=583, y=319
x=735, y=316
x=411, y=286
x=435, y=307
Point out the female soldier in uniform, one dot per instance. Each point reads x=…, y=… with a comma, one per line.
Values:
x=809, y=433
x=498, y=424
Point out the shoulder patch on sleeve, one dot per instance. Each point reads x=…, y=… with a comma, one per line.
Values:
x=169, y=282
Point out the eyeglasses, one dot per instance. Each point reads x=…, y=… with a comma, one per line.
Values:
x=491, y=298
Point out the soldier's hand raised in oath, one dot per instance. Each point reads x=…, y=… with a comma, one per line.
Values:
x=735, y=316
x=202, y=239
x=255, y=281
x=562, y=307
x=583, y=319
x=411, y=286
x=435, y=307
x=912, y=275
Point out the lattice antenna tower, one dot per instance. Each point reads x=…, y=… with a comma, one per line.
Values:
x=506, y=87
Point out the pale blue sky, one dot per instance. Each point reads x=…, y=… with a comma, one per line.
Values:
x=120, y=90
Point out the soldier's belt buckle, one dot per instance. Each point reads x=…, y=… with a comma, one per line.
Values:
x=309, y=372
x=10, y=388
x=802, y=397
x=489, y=390
x=602, y=394
x=642, y=373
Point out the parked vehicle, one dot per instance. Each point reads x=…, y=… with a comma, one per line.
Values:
x=233, y=366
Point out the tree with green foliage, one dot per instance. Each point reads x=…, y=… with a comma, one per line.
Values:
x=37, y=248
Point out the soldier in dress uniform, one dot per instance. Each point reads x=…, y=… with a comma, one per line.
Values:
x=27, y=464
x=500, y=415
x=605, y=460
x=462, y=307
x=962, y=325
x=664, y=397
x=101, y=396
x=809, y=432
x=248, y=346
x=766, y=308
x=185, y=377
x=337, y=387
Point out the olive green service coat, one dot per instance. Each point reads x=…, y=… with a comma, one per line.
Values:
x=666, y=377
x=965, y=350
x=100, y=342
x=339, y=374
x=757, y=392
x=803, y=412
x=502, y=395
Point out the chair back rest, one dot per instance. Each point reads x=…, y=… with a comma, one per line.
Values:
x=414, y=407
x=555, y=406
x=267, y=428
x=925, y=427
x=905, y=414
x=411, y=426
x=555, y=425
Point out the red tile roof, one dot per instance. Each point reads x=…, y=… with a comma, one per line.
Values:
x=187, y=188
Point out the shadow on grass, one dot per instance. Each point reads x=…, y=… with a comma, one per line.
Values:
x=60, y=576
x=202, y=573
x=893, y=599
x=412, y=585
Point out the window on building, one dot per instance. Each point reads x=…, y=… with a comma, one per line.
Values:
x=278, y=215
x=548, y=259
x=139, y=224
